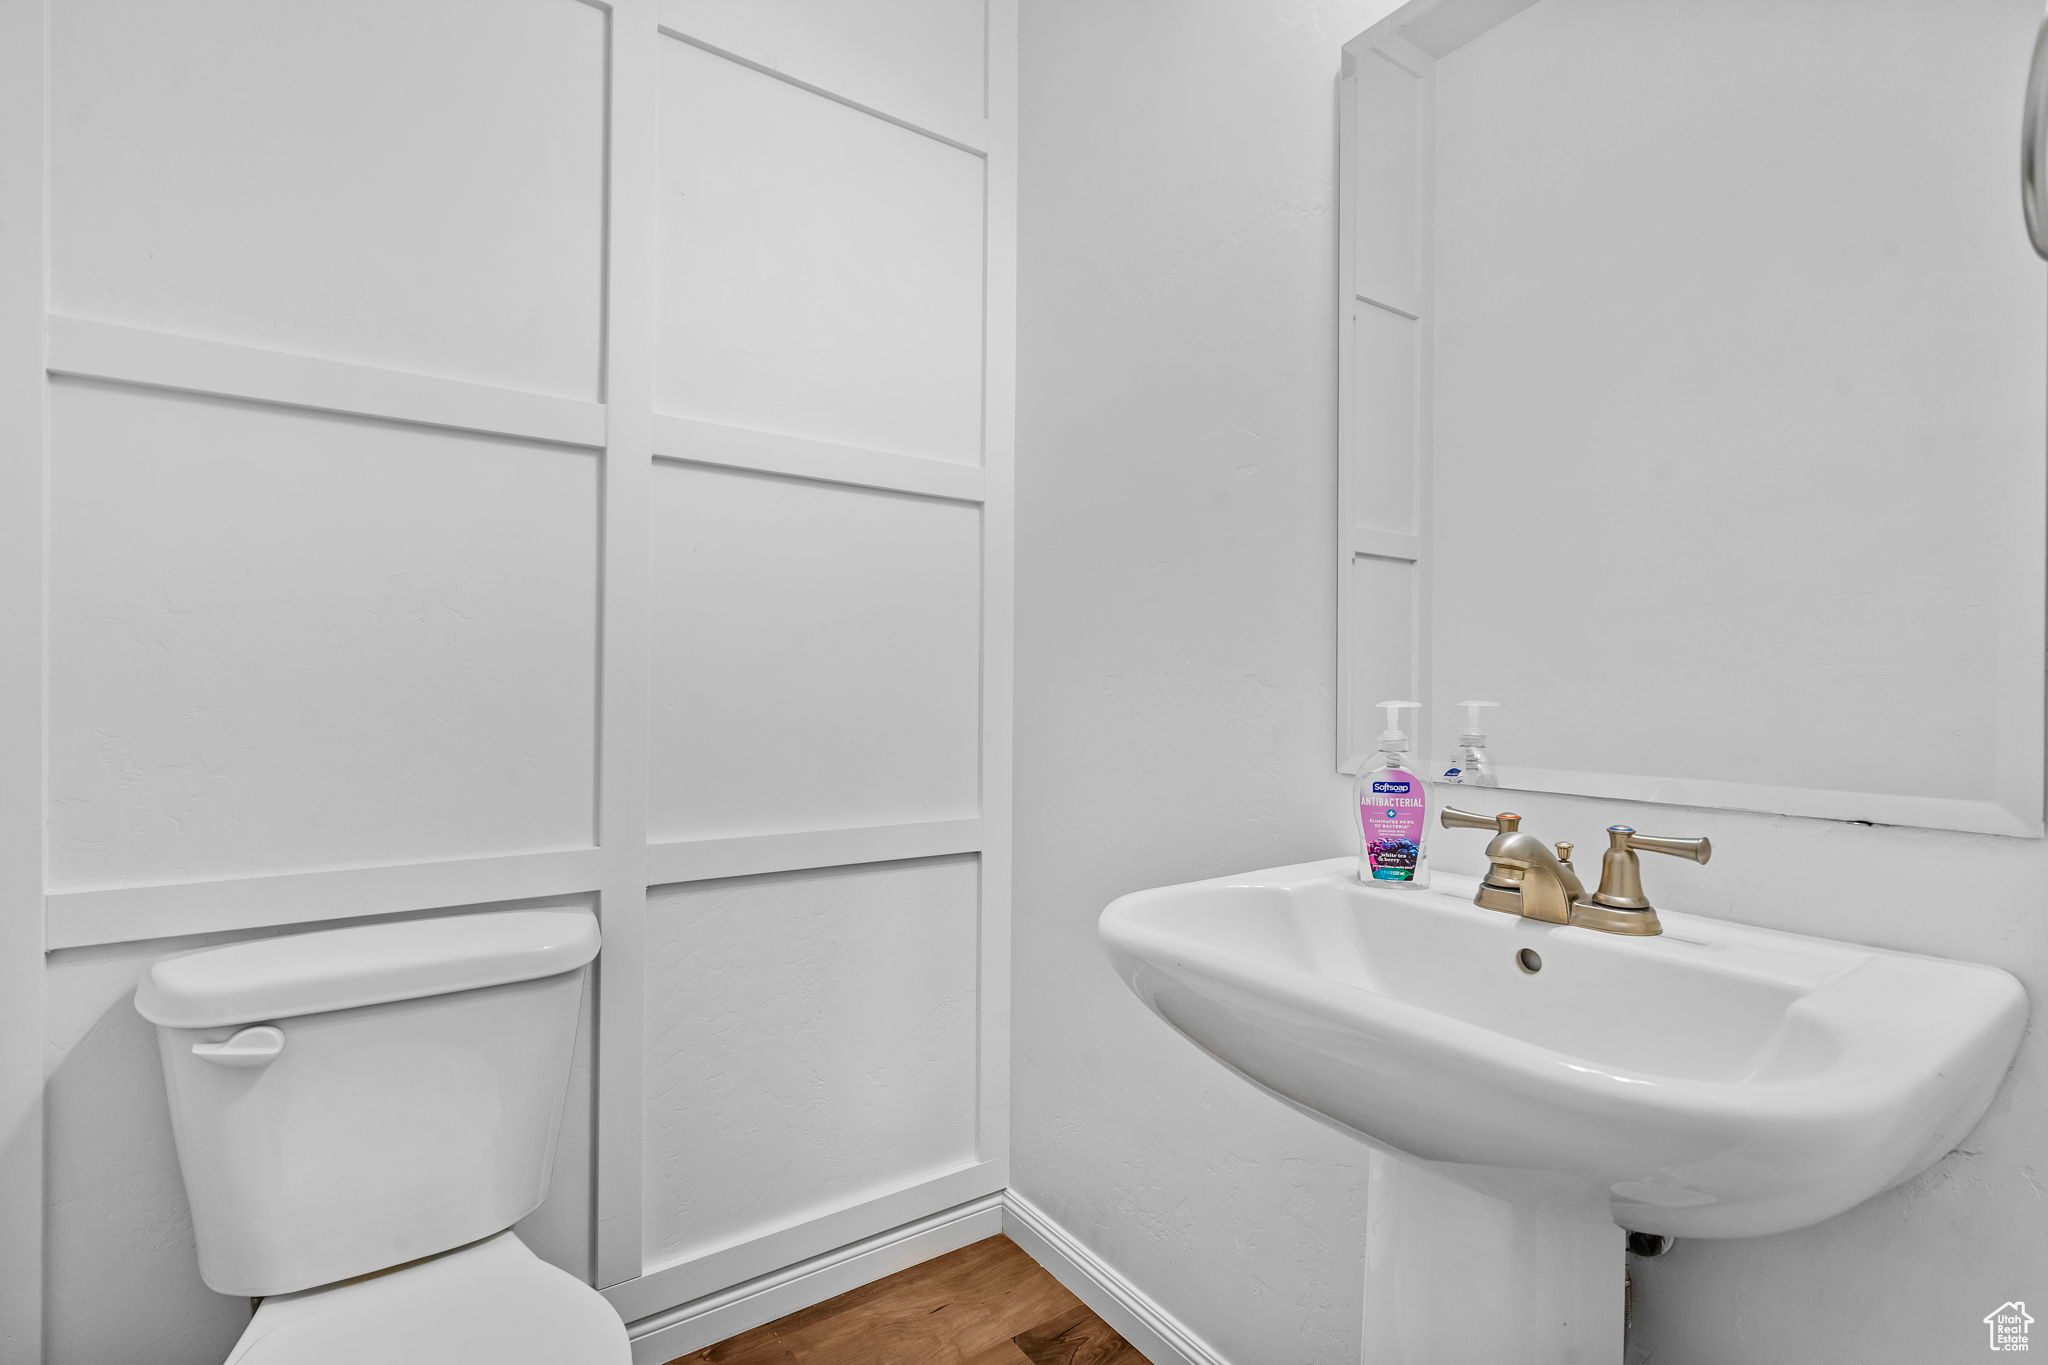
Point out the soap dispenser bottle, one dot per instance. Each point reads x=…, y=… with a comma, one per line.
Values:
x=1471, y=765
x=1393, y=810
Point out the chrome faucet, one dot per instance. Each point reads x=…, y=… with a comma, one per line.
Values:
x=1525, y=877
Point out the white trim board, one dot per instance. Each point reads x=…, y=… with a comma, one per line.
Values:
x=750, y=855
x=688, y=441
x=624, y=652
x=659, y=1339
x=816, y=1232
x=23, y=458
x=998, y=582
x=135, y=914
x=84, y=349
x=81, y=917
x=1155, y=1333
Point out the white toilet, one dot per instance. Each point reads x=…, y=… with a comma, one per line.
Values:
x=361, y=1116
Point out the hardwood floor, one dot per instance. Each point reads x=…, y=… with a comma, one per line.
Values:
x=986, y=1304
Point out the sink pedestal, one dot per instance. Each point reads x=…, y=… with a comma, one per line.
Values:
x=1453, y=1275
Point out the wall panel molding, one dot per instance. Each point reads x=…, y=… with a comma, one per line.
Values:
x=833, y=1245
x=84, y=349
x=664, y=1336
x=998, y=580
x=24, y=112
x=821, y=1233
x=623, y=611
x=971, y=135
x=135, y=914
x=1156, y=1333
x=711, y=443
x=94, y=916
x=751, y=855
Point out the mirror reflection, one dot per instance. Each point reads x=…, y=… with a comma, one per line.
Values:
x=1694, y=401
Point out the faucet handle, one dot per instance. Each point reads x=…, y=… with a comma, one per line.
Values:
x=1699, y=850
x=1504, y=823
x=1621, y=876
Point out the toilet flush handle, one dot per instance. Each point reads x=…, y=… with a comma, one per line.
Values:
x=256, y=1046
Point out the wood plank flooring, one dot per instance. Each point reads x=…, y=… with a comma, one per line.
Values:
x=986, y=1304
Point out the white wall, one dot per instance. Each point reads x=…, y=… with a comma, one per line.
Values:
x=1175, y=610
x=517, y=451
x=1175, y=638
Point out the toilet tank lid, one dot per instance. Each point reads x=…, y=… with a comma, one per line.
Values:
x=368, y=964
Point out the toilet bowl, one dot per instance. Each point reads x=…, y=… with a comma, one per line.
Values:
x=361, y=1116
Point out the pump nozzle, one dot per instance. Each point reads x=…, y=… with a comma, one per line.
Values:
x=1394, y=737
x=1474, y=734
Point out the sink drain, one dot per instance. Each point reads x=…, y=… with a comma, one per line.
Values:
x=1529, y=960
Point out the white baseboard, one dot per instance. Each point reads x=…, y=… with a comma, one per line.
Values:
x=1156, y=1334
x=715, y=1317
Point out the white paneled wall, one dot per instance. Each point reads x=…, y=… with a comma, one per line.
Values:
x=815, y=1045
x=846, y=246
x=288, y=639
x=847, y=626
x=917, y=61
x=475, y=452
x=411, y=185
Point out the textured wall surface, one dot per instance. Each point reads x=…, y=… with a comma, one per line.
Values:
x=810, y=1039
x=1176, y=471
x=283, y=640
x=1176, y=495
x=458, y=237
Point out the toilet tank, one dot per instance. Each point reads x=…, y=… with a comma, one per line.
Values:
x=352, y=1099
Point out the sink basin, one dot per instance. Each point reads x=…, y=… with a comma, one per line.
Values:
x=1719, y=1080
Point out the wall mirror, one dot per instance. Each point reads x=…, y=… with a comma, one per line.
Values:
x=1693, y=379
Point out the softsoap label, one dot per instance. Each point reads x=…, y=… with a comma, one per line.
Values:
x=1390, y=815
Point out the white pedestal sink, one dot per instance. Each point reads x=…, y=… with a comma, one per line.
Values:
x=1718, y=1080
